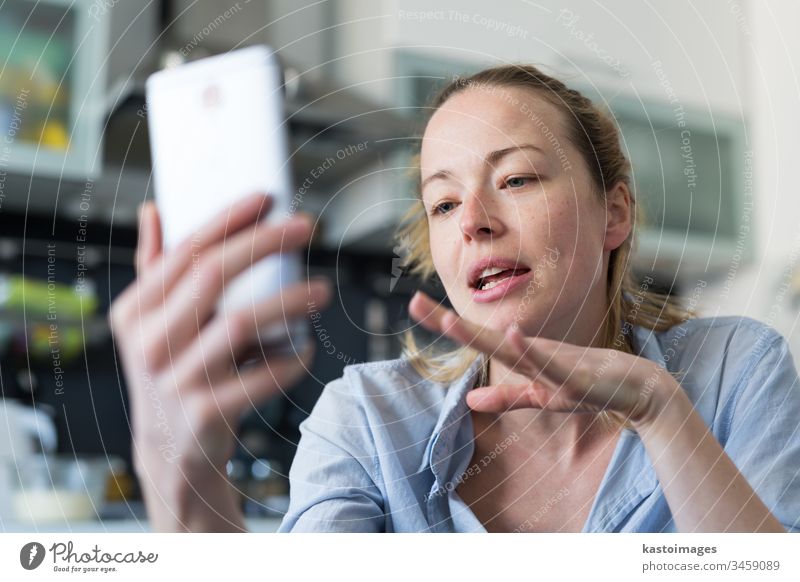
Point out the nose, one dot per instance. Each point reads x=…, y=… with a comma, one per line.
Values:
x=478, y=219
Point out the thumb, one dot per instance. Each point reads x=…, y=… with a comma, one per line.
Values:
x=504, y=397
x=149, y=246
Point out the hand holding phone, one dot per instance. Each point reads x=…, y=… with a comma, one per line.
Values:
x=216, y=267
x=179, y=359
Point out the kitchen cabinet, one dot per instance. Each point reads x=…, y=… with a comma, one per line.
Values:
x=58, y=57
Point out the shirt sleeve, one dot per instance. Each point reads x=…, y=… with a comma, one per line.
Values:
x=764, y=429
x=331, y=483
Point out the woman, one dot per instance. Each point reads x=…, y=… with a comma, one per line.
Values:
x=577, y=402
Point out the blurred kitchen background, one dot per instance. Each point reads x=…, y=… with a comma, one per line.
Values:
x=706, y=93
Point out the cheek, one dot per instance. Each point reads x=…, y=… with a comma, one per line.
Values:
x=579, y=240
x=447, y=254
x=443, y=251
x=555, y=225
x=568, y=242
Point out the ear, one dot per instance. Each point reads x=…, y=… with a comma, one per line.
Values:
x=619, y=216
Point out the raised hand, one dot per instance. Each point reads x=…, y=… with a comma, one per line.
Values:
x=562, y=377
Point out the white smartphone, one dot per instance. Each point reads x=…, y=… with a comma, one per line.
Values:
x=218, y=133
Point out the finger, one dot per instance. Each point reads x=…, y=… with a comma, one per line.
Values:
x=141, y=243
x=226, y=339
x=497, y=399
x=251, y=388
x=567, y=368
x=159, y=282
x=127, y=304
x=439, y=319
x=557, y=361
x=148, y=247
x=194, y=300
x=427, y=312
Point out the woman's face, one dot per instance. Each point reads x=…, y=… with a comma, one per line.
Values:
x=517, y=230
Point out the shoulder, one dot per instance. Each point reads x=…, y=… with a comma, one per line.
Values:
x=744, y=339
x=724, y=361
x=725, y=325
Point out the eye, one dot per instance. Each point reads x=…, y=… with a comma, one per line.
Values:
x=515, y=182
x=443, y=208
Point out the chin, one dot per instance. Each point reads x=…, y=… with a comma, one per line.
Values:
x=500, y=316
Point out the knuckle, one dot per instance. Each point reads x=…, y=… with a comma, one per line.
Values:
x=295, y=302
x=154, y=348
x=581, y=377
x=238, y=327
x=183, y=252
x=206, y=413
x=210, y=273
x=119, y=313
x=269, y=240
x=267, y=233
x=532, y=394
x=181, y=256
x=568, y=388
x=154, y=354
x=170, y=390
x=184, y=371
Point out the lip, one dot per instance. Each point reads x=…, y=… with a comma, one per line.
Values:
x=501, y=289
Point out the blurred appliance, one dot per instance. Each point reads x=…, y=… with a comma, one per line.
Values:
x=24, y=432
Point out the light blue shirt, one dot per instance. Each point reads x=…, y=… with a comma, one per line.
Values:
x=384, y=449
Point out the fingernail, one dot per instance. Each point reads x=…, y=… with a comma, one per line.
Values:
x=422, y=295
x=476, y=396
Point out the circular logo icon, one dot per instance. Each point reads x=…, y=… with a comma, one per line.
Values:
x=31, y=555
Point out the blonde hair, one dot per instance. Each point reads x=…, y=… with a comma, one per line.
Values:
x=596, y=138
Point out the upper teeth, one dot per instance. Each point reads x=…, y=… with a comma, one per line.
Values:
x=491, y=271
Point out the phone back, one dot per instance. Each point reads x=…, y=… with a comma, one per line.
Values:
x=217, y=134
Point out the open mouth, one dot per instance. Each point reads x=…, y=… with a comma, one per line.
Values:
x=493, y=276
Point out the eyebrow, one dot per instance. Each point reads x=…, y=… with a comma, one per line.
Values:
x=492, y=159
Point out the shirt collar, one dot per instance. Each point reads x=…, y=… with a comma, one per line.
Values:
x=646, y=345
x=454, y=411
x=630, y=477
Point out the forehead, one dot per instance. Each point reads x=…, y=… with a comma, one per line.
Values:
x=482, y=119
